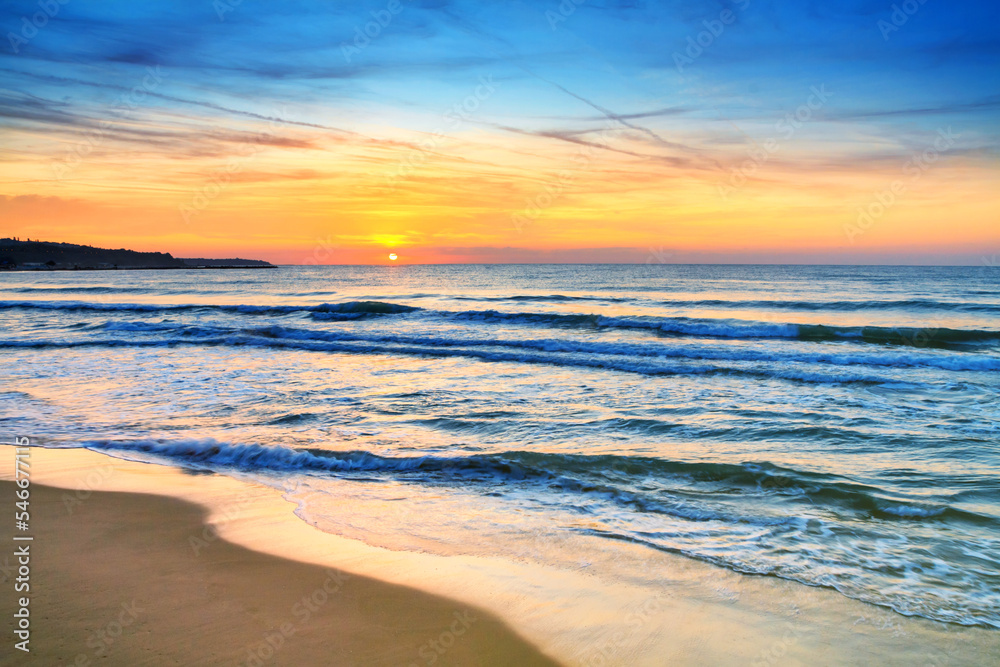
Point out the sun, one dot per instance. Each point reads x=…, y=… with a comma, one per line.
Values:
x=392, y=256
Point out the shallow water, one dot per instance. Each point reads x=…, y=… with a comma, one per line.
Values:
x=835, y=426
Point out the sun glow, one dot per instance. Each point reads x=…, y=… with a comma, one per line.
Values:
x=392, y=256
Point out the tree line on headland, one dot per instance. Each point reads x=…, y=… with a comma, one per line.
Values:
x=43, y=255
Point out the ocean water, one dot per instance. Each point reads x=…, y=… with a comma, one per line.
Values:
x=834, y=426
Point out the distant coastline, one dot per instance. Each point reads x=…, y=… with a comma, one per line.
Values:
x=34, y=255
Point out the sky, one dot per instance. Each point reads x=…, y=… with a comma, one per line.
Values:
x=794, y=131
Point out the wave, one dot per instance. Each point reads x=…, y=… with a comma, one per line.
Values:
x=81, y=290
x=139, y=326
x=347, y=310
x=647, y=366
x=645, y=358
x=930, y=336
x=770, y=304
x=844, y=306
x=611, y=476
x=952, y=362
x=743, y=329
x=731, y=328
x=546, y=298
x=969, y=599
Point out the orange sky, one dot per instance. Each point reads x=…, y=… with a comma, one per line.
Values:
x=480, y=194
x=279, y=145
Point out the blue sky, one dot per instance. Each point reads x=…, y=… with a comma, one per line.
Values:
x=562, y=72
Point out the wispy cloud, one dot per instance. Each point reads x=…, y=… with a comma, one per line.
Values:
x=265, y=102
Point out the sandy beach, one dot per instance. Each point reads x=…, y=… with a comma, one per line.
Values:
x=122, y=581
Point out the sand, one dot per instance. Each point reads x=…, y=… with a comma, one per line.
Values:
x=209, y=568
x=121, y=581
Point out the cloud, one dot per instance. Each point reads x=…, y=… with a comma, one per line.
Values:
x=985, y=104
x=602, y=83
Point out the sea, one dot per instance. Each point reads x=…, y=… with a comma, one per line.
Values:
x=836, y=426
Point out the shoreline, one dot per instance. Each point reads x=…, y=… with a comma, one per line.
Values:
x=685, y=612
x=134, y=579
